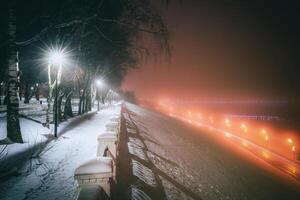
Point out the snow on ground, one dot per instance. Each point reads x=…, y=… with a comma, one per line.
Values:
x=36, y=110
x=50, y=175
x=33, y=109
x=165, y=153
x=34, y=134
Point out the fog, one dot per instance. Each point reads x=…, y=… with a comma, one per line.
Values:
x=224, y=51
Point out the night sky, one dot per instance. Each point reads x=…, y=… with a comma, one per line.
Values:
x=233, y=50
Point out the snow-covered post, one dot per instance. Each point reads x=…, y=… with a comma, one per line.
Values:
x=109, y=140
x=113, y=127
x=97, y=171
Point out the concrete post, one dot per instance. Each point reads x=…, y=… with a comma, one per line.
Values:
x=97, y=171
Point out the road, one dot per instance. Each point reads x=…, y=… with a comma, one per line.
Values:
x=192, y=164
x=290, y=167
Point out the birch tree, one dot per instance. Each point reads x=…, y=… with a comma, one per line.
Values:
x=13, y=123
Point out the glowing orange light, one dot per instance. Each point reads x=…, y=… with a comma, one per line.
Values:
x=244, y=128
x=227, y=135
x=265, y=154
x=293, y=148
x=227, y=122
x=263, y=131
x=266, y=137
x=290, y=141
x=292, y=169
x=244, y=143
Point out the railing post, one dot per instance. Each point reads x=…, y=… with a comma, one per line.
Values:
x=97, y=171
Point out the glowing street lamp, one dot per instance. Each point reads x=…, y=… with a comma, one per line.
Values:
x=99, y=83
x=227, y=122
x=265, y=135
x=263, y=131
x=266, y=138
x=293, y=147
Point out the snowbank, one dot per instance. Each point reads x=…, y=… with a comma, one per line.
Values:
x=50, y=175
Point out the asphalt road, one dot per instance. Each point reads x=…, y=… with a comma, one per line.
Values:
x=193, y=165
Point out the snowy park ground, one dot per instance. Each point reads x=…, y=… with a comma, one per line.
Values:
x=36, y=110
x=44, y=166
x=171, y=160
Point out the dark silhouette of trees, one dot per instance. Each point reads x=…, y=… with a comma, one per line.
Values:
x=101, y=35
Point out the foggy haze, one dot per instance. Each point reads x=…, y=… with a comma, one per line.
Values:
x=236, y=50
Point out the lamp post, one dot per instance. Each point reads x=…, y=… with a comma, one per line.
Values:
x=56, y=104
x=56, y=58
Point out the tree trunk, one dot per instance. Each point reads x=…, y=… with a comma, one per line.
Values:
x=1, y=93
x=49, y=98
x=68, y=106
x=86, y=102
x=13, y=124
x=20, y=92
x=81, y=104
x=89, y=99
x=26, y=93
x=59, y=101
x=37, y=93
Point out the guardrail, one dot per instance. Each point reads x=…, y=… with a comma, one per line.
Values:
x=96, y=177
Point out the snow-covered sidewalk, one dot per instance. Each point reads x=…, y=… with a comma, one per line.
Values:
x=51, y=174
x=170, y=160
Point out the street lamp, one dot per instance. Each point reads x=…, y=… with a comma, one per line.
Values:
x=56, y=58
x=227, y=123
x=266, y=137
x=293, y=147
x=99, y=84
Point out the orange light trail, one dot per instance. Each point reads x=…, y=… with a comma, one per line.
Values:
x=258, y=139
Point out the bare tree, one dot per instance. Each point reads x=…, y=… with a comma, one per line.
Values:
x=13, y=124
